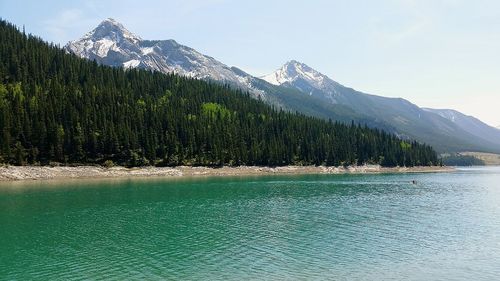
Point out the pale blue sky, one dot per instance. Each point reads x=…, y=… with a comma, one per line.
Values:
x=435, y=53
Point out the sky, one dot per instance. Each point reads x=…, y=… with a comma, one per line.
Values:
x=435, y=53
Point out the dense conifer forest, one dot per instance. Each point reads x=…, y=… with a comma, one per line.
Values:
x=55, y=107
x=462, y=160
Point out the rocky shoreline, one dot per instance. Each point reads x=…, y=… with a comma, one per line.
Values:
x=16, y=173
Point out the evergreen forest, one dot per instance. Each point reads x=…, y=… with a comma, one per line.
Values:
x=58, y=108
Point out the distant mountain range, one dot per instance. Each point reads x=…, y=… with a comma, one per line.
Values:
x=295, y=87
x=470, y=124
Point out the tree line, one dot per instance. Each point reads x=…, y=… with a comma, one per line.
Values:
x=462, y=160
x=56, y=107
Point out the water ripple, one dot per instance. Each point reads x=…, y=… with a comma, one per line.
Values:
x=365, y=227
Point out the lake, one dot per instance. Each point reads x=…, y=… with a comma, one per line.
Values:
x=332, y=227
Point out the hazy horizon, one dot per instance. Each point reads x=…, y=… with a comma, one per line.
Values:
x=438, y=54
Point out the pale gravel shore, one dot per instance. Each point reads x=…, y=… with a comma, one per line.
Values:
x=16, y=173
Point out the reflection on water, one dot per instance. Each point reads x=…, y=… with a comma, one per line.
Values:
x=355, y=227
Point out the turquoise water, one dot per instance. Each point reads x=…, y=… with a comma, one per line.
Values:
x=333, y=227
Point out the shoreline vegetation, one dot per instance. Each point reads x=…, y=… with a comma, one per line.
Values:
x=17, y=173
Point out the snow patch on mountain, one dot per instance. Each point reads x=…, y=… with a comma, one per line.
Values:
x=449, y=114
x=103, y=46
x=131, y=63
x=147, y=51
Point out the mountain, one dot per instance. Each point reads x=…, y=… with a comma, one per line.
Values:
x=407, y=119
x=295, y=87
x=298, y=75
x=110, y=43
x=468, y=123
x=57, y=107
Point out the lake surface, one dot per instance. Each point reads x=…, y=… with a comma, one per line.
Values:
x=332, y=227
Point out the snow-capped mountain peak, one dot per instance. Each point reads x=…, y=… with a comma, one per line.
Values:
x=303, y=77
x=110, y=43
x=109, y=35
x=293, y=70
x=111, y=28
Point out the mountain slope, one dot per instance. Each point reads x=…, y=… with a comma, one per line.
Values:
x=407, y=119
x=468, y=123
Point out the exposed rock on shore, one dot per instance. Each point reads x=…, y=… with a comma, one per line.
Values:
x=10, y=173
